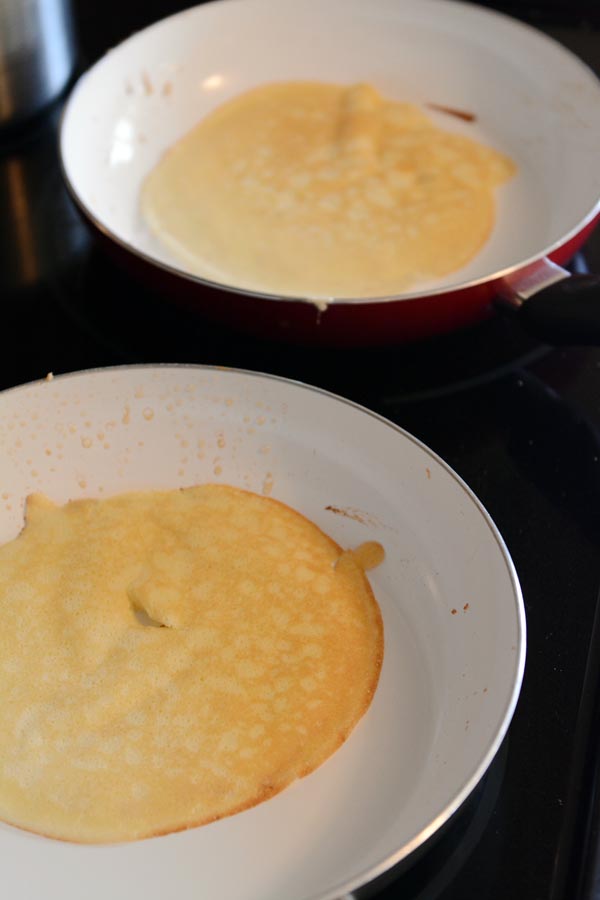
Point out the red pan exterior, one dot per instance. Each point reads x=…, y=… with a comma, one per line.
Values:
x=341, y=325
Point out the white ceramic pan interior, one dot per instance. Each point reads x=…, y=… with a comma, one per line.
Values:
x=452, y=609
x=531, y=97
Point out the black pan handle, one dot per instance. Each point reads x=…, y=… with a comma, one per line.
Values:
x=566, y=312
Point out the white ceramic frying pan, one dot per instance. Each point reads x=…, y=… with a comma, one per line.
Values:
x=451, y=604
x=528, y=96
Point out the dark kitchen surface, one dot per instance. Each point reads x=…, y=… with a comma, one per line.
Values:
x=520, y=422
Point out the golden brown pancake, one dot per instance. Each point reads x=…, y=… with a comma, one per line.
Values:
x=320, y=190
x=170, y=658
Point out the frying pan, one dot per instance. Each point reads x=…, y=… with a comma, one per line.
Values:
x=452, y=609
x=527, y=96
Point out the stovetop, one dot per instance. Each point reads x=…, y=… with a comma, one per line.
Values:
x=518, y=420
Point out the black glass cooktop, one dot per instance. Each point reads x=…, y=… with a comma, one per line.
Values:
x=518, y=420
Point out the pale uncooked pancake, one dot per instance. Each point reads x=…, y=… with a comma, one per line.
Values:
x=319, y=191
x=114, y=728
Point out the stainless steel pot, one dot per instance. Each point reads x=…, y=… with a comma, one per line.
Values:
x=36, y=56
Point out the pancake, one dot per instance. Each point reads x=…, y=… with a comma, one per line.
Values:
x=320, y=190
x=169, y=658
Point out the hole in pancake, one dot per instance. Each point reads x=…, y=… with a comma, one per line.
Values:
x=144, y=619
x=147, y=604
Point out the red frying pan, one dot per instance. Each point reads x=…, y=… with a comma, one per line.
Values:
x=525, y=94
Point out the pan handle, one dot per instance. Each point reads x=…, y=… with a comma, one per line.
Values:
x=552, y=305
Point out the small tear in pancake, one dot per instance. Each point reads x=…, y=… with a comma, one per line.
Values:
x=114, y=727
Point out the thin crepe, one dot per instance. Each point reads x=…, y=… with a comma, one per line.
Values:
x=170, y=658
